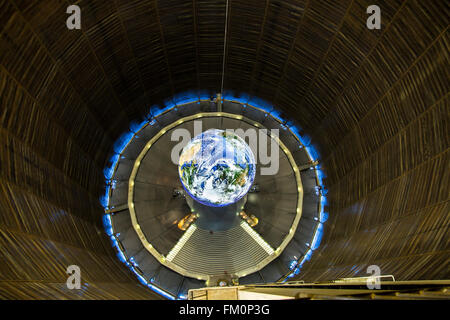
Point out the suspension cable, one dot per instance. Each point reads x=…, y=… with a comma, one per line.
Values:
x=224, y=49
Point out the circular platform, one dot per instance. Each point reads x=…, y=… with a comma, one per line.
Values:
x=196, y=253
x=147, y=204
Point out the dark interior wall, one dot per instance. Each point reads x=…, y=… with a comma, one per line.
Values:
x=373, y=102
x=52, y=153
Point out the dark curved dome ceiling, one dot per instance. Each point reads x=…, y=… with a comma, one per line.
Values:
x=374, y=103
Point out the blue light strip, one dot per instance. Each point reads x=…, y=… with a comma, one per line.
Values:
x=317, y=236
x=156, y=111
x=135, y=127
x=242, y=98
x=104, y=199
x=168, y=104
x=186, y=97
x=109, y=170
x=204, y=95
x=277, y=115
x=296, y=132
x=190, y=97
x=107, y=224
x=262, y=104
x=242, y=101
x=130, y=263
x=123, y=141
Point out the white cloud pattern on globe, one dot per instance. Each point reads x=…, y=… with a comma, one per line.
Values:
x=217, y=168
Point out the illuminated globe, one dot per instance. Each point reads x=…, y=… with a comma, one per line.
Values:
x=217, y=168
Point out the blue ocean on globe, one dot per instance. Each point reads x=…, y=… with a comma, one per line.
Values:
x=217, y=168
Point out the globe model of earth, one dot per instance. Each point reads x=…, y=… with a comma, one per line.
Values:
x=217, y=168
